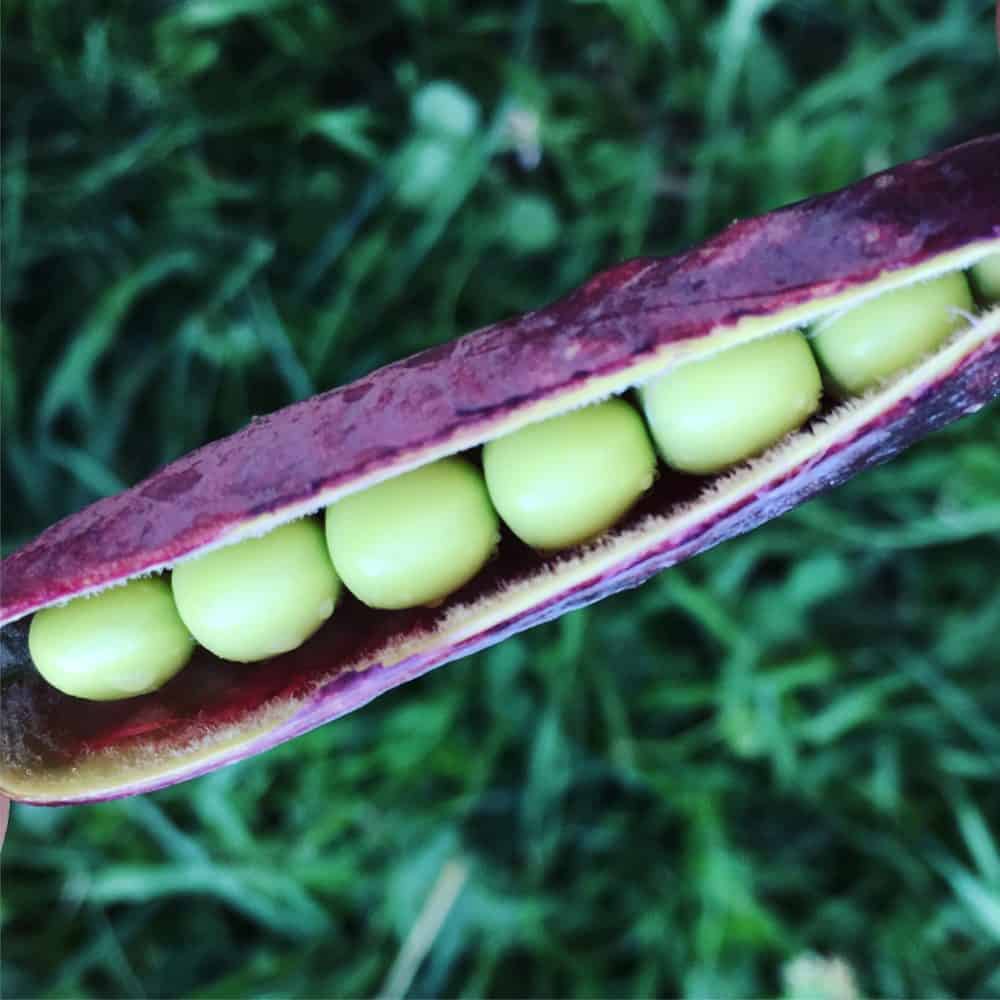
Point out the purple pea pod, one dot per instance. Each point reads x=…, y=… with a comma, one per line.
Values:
x=787, y=269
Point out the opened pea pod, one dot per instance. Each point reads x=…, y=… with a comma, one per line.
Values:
x=281, y=577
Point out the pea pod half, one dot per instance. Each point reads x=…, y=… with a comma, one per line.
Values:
x=628, y=328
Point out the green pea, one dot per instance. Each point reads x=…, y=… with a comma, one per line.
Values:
x=259, y=597
x=562, y=481
x=863, y=345
x=986, y=277
x=415, y=538
x=120, y=643
x=709, y=415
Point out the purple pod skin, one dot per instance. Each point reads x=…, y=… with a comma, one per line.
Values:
x=626, y=325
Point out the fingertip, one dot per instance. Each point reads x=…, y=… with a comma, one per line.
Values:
x=4, y=816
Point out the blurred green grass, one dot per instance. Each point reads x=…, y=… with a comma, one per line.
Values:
x=787, y=746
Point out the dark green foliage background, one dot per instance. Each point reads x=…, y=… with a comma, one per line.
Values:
x=788, y=745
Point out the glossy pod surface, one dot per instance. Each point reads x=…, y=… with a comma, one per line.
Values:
x=624, y=328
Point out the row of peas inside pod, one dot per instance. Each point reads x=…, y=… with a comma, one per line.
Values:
x=415, y=538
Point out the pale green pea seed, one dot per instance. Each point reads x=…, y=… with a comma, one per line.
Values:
x=120, y=643
x=561, y=481
x=260, y=597
x=865, y=344
x=709, y=415
x=415, y=538
x=986, y=277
